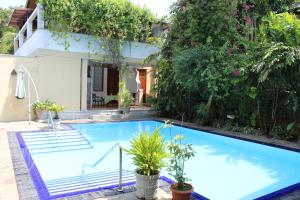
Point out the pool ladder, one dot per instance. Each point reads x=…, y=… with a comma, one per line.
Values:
x=50, y=121
x=120, y=188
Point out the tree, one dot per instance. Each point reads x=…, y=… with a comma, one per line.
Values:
x=6, y=33
x=232, y=63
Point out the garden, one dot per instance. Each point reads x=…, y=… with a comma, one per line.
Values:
x=235, y=64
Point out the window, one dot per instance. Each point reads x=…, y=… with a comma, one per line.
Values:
x=98, y=79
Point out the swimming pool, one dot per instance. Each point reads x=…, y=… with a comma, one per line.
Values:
x=224, y=168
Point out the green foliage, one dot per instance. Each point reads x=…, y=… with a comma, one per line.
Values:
x=56, y=109
x=277, y=58
x=6, y=33
x=277, y=71
x=124, y=96
x=200, y=22
x=7, y=40
x=4, y=17
x=148, y=151
x=280, y=28
x=48, y=106
x=42, y=105
x=246, y=66
x=113, y=20
x=180, y=153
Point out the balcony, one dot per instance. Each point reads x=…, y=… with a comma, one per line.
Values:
x=34, y=38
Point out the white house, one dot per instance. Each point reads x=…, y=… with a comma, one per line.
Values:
x=72, y=77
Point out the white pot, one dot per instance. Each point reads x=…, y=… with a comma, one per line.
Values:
x=146, y=186
x=42, y=115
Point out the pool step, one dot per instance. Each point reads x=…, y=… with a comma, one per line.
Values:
x=51, y=140
x=59, y=149
x=55, y=141
x=56, y=145
x=45, y=133
x=107, y=117
x=88, y=182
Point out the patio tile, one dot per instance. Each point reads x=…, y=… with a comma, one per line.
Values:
x=8, y=187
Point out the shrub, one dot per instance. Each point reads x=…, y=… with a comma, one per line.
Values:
x=124, y=96
x=148, y=151
x=48, y=106
x=42, y=105
x=56, y=109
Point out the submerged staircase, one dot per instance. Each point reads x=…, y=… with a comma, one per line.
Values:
x=55, y=141
x=88, y=182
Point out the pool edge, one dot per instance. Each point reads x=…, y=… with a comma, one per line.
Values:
x=275, y=194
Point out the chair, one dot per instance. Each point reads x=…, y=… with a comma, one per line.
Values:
x=97, y=100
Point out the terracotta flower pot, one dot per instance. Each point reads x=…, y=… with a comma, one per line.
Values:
x=181, y=194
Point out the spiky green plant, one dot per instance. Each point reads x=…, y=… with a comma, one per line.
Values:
x=149, y=152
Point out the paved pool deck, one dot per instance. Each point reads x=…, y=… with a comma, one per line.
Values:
x=15, y=181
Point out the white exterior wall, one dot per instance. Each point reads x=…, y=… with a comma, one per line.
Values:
x=80, y=43
x=58, y=79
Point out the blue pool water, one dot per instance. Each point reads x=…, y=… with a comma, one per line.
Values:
x=223, y=168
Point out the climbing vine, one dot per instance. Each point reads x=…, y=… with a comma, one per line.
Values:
x=112, y=22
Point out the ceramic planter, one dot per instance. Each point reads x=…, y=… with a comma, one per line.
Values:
x=146, y=186
x=181, y=195
x=42, y=115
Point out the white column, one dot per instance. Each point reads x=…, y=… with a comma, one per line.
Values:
x=21, y=39
x=40, y=17
x=16, y=40
x=29, y=29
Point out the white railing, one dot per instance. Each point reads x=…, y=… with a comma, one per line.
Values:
x=20, y=38
x=120, y=188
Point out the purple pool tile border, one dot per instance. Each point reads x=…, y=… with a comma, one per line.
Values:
x=281, y=192
x=34, y=172
x=44, y=194
x=275, y=194
x=39, y=182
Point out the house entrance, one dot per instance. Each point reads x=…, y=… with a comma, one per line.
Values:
x=112, y=81
x=102, y=85
x=143, y=81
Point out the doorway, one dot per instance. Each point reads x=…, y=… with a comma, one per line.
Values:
x=112, y=81
x=143, y=80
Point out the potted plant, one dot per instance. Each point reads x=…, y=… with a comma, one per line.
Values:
x=125, y=98
x=56, y=109
x=148, y=151
x=41, y=108
x=180, y=153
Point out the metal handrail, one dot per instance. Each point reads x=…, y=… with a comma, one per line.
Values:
x=50, y=120
x=103, y=157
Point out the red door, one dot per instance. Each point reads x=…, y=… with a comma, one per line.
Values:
x=112, y=81
x=143, y=80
